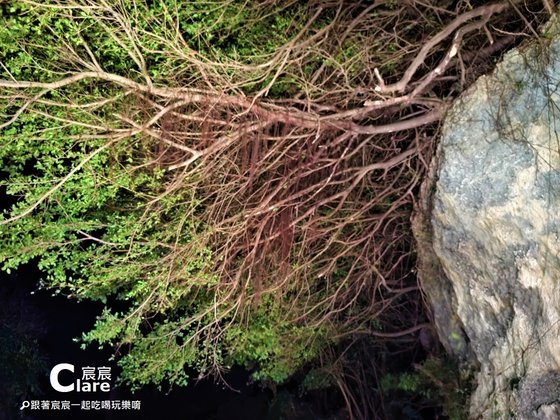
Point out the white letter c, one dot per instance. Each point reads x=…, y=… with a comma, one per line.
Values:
x=54, y=377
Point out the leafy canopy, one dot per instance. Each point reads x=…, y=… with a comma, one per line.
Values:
x=111, y=231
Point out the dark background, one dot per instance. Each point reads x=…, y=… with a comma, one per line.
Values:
x=43, y=327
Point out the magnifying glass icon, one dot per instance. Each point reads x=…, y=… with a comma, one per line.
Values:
x=24, y=405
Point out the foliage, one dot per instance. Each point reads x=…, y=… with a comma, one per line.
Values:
x=98, y=236
x=439, y=382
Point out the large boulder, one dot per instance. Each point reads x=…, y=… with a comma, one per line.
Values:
x=489, y=233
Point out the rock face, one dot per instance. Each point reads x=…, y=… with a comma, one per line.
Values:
x=489, y=246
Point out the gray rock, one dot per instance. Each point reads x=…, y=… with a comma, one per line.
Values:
x=488, y=233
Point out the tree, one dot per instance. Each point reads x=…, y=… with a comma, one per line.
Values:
x=238, y=175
